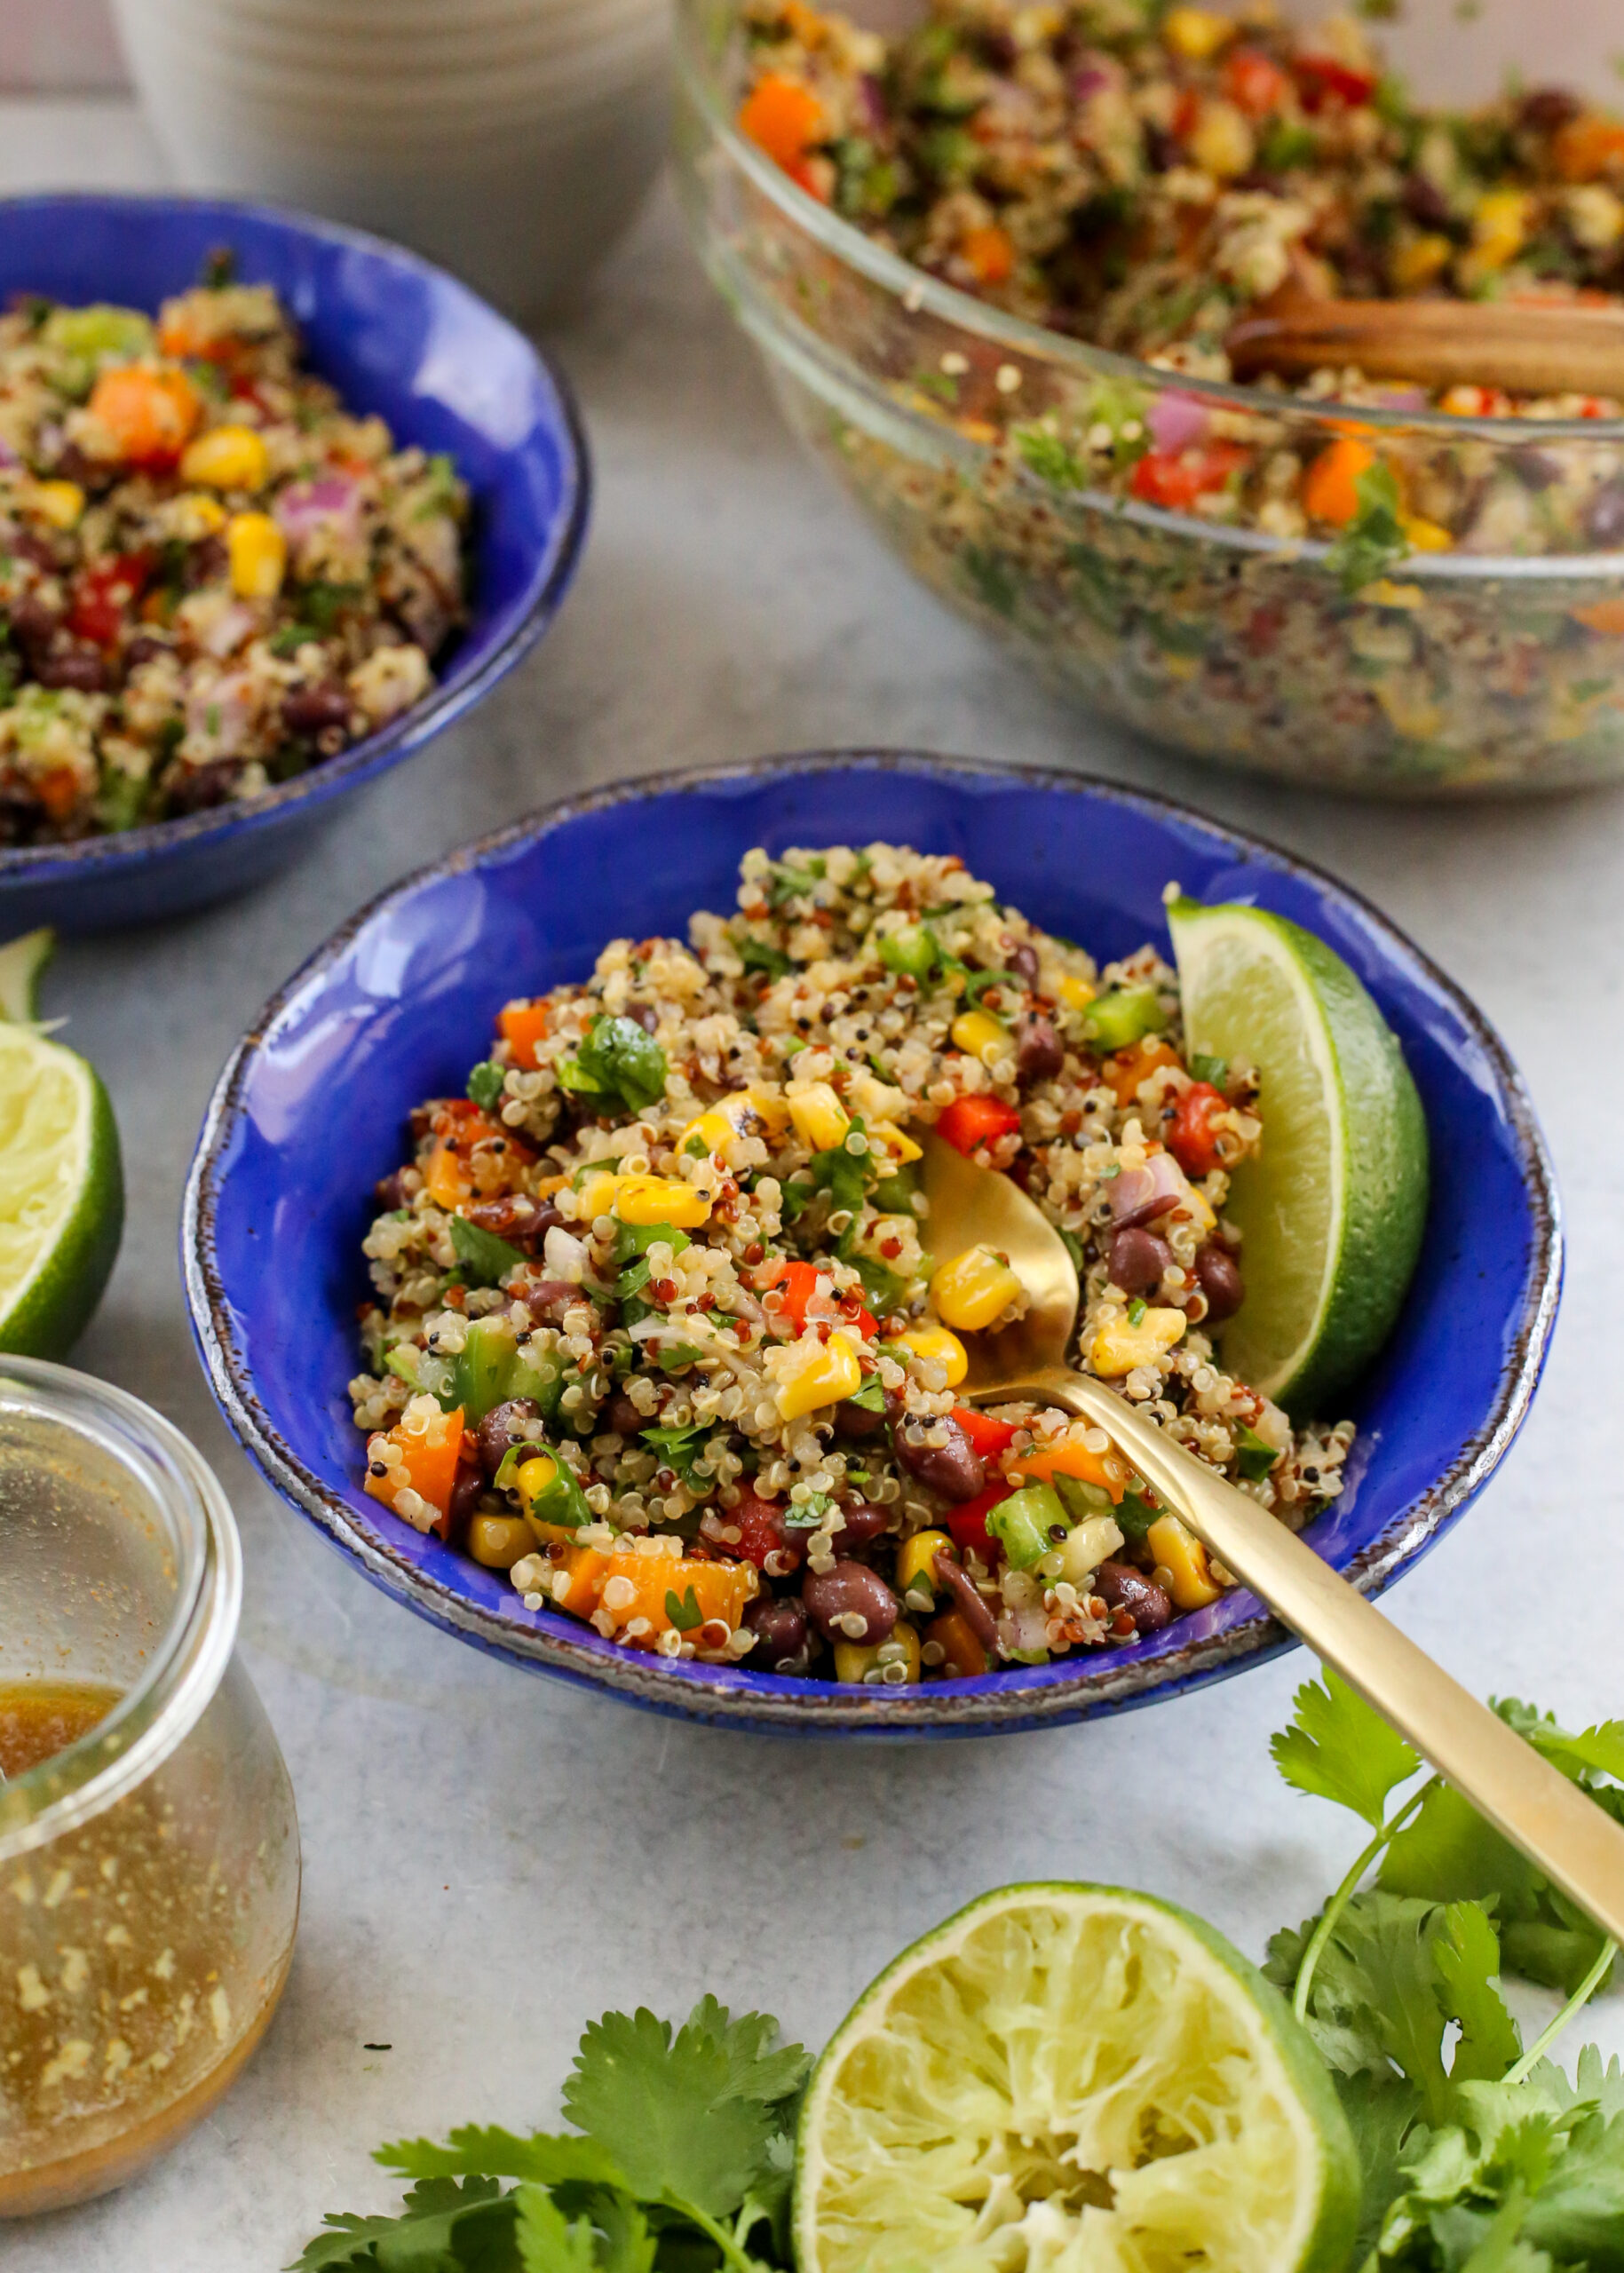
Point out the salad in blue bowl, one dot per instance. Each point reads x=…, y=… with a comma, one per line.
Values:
x=277, y=502
x=557, y=1240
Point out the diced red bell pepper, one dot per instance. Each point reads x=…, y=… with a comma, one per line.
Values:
x=1322, y=79
x=796, y=1282
x=1190, y=1135
x=1254, y=81
x=968, y=1523
x=761, y=1528
x=971, y=1122
x=1176, y=478
x=989, y=1436
x=104, y=595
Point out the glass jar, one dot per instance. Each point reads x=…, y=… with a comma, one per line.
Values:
x=149, y=1871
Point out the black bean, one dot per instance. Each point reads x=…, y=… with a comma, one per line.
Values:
x=39, y=550
x=313, y=709
x=32, y=622
x=466, y=1494
x=622, y=1416
x=207, y=563
x=200, y=788
x=142, y=649
x=1425, y=201
x=1023, y=961
x=515, y=1423
x=859, y=1424
x=645, y=1015
x=548, y=1298
x=1605, y=516
x=953, y=1468
x=1137, y=1260
x=1547, y=109
x=863, y=1526
x=971, y=1601
x=523, y=1221
x=391, y=1192
x=1038, y=1054
x=850, y=1590
x=782, y=1635
x=1219, y=1277
x=81, y=667
x=1123, y=1588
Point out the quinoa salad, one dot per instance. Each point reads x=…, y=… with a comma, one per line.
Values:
x=212, y=575
x=657, y=1332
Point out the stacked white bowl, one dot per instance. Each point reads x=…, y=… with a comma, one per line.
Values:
x=512, y=140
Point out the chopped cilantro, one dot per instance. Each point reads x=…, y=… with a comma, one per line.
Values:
x=485, y=1083
x=486, y=1260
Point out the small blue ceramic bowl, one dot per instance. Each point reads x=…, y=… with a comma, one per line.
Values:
x=396, y=1006
x=396, y=336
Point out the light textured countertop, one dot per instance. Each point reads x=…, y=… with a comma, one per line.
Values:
x=491, y=1859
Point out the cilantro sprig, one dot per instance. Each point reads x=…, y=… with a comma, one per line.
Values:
x=1478, y=2156
x=681, y=2158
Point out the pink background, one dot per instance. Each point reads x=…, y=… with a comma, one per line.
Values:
x=63, y=43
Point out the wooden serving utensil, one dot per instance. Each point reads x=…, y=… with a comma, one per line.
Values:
x=1525, y=346
x=1570, y=1838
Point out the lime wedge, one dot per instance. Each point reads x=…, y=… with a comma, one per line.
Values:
x=1333, y=1204
x=1072, y=2077
x=61, y=1182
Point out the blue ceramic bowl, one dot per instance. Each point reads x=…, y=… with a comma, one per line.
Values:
x=312, y=1106
x=394, y=336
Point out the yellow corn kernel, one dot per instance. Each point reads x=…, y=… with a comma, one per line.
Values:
x=895, y=1142
x=533, y=1476
x=1222, y=144
x=1179, y=1553
x=891, y=1664
x=1419, y=261
x=1499, y=225
x=59, y=502
x=937, y=1347
x=196, y=515
x=767, y=1105
x=818, y=1374
x=499, y=1541
x=1076, y=994
x=978, y=1034
x=599, y=1191
x=1424, y=535
x=974, y=1289
x=646, y=1200
x=916, y=1560
x=226, y=457
x=259, y=554
x=821, y=1119
x=714, y=1130
x=1118, y=1348
x=1197, y=33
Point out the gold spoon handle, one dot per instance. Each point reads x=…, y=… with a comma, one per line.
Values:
x=1553, y=1822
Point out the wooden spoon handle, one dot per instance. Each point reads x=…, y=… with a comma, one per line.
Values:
x=1550, y=1819
x=1525, y=348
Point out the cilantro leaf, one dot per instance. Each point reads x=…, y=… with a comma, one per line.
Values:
x=756, y=954
x=545, y=2158
x=485, y=1083
x=440, y=2219
x=1374, y=539
x=1466, y=1953
x=1382, y=2114
x=685, y=1614
x=616, y=1058
x=689, y=2117
x=1339, y=1748
x=486, y=1260
x=679, y=1448
x=548, y=2242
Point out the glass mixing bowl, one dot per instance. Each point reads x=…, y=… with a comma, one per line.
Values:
x=990, y=452
x=149, y=1871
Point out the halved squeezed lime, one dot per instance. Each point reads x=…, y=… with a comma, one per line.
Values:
x=1072, y=2079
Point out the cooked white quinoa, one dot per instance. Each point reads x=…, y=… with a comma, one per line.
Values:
x=657, y=1328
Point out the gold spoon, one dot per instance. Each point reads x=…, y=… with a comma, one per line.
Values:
x=1565, y=1833
x=1525, y=347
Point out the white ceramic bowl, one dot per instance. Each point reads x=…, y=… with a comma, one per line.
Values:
x=510, y=140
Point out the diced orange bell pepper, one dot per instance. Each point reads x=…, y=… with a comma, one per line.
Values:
x=962, y=1654
x=1330, y=487
x=1601, y=616
x=1254, y=83
x=1588, y=147
x=428, y=1446
x=446, y=1179
x=150, y=415
x=973, y=1120
x=1102, y=1468
x=781, y=117
x=720, y=1590
x=57, y=791
x=989, y=252
x=1123, y=1073
x=523, y=1024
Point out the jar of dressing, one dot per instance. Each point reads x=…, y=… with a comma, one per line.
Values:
x=149, y=1854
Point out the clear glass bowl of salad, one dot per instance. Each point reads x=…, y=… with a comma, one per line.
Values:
x=1356, y=585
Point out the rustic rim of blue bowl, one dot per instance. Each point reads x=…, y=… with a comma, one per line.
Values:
x=765, y=1703
x=447, y=700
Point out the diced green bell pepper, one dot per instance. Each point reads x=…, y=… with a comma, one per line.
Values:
x=1255, y=1457
x=492, y=1369
x=100, y=329
x=1124, y=1015
x=912, y=951
x=1080, y=1500
x=1024, y=1523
